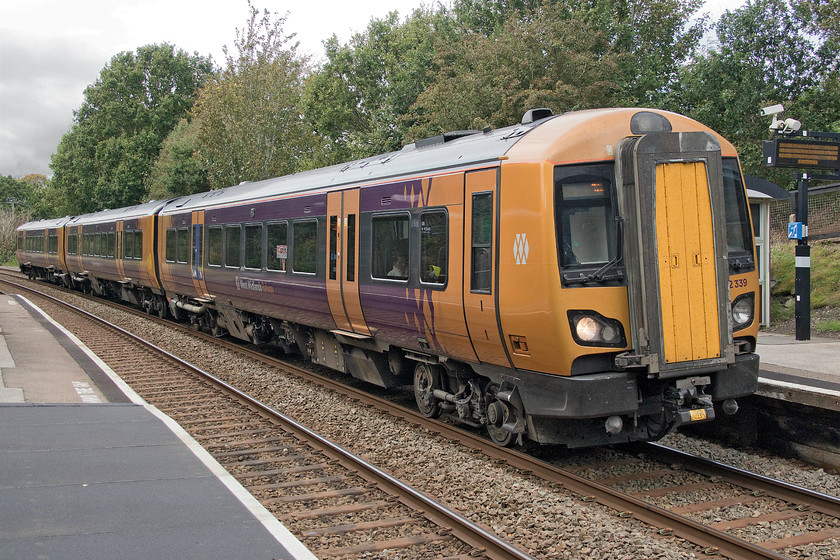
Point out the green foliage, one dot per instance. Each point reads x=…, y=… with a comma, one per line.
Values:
x=249, y=125
x=177, y=170
x=356, y=102
x=138, y=99
x=767, y=53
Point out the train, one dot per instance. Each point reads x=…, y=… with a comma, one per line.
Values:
x=579, y=279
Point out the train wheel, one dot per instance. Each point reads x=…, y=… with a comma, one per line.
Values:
x=497, y=415
x=426, y=380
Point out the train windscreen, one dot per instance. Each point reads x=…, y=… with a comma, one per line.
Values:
x=584, y=215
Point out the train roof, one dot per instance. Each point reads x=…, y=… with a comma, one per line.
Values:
x=43, y=224
x=127, y=213
x=449, y=151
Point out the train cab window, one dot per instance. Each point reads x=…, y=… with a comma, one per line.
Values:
x=170, y=245
x=233, y=235
x=278, y=250
x=481, y=240
x=389, y=259
x=739, y=242
x=253, y=246
x=182, y=245
x=584, y=215
x=433, y=243
x=305, y=246
x=214, y=246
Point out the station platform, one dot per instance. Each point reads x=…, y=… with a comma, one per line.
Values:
x=802, y=371
x=89, y=470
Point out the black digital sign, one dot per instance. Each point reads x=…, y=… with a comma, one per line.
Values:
x=801, y=153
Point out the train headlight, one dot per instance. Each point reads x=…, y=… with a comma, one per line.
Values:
x=743, y=310
x=590, y=328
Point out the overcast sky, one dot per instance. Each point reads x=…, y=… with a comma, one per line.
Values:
x=50, y=50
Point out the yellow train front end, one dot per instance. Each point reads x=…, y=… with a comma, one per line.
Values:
x=627, y=278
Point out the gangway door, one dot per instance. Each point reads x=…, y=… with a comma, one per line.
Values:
x=671, y=199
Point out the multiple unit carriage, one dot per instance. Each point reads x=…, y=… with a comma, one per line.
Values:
x=581, y=279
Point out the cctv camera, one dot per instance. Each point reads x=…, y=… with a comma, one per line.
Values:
x=772, y=110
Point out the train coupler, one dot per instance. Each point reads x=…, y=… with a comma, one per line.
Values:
x=687, y=403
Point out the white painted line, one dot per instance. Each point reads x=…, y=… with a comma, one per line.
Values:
x=272, y=525
x=798, y=387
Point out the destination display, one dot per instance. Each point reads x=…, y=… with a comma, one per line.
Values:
x=801, y=153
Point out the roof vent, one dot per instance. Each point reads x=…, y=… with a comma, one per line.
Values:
x=534, y=115
x=445, y=137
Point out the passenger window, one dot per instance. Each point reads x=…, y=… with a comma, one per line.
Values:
x=433, y=243
x=233, y=235
x=110, y=244
x=482, y=237
x=305, y=247
x=253, y=246
x=128, y=245
x=72, y=244
x=389, y=259
x=170, y=245
x=183, y=246
x=278, y=250
x=138, y=245
x=214, y=246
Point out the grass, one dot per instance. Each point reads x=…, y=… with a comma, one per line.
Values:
x=828, y=325
x=825, y=275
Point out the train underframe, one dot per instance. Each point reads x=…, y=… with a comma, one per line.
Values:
x=601, y=408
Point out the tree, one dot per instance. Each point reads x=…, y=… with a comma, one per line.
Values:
x=765, y=55
x=177, y=170
x=249, y=124
x=357, y=101
x=103, y=161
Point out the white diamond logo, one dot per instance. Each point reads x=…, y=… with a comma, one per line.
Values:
x=520, y=248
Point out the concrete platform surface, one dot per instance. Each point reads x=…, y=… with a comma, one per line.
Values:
x=113, y=481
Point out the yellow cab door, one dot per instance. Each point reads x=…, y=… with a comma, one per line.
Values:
x=343, y=262
x=480, y=240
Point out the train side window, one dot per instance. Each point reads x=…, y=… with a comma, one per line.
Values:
x=278, y=250
x=389, y=258
x=233, y=235
x=128, y=245
x=72, y=244
x=98, y=243
x=214, y=246
x=482, y=237
x=138, y=245
x=305, y=247
x=253, y=246
x=53, y=244
x=170, y=245
x=433, y=243
x=183, y=246
x=110, y=244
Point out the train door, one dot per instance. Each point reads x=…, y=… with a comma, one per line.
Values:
x=343, y=262
x=197, y=254
x=480, y=252
x=120, y=250
x=675, y=243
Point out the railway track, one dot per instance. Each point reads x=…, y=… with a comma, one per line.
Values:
x=720, y=526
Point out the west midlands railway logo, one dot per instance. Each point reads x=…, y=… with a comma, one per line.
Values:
x=520, y=248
